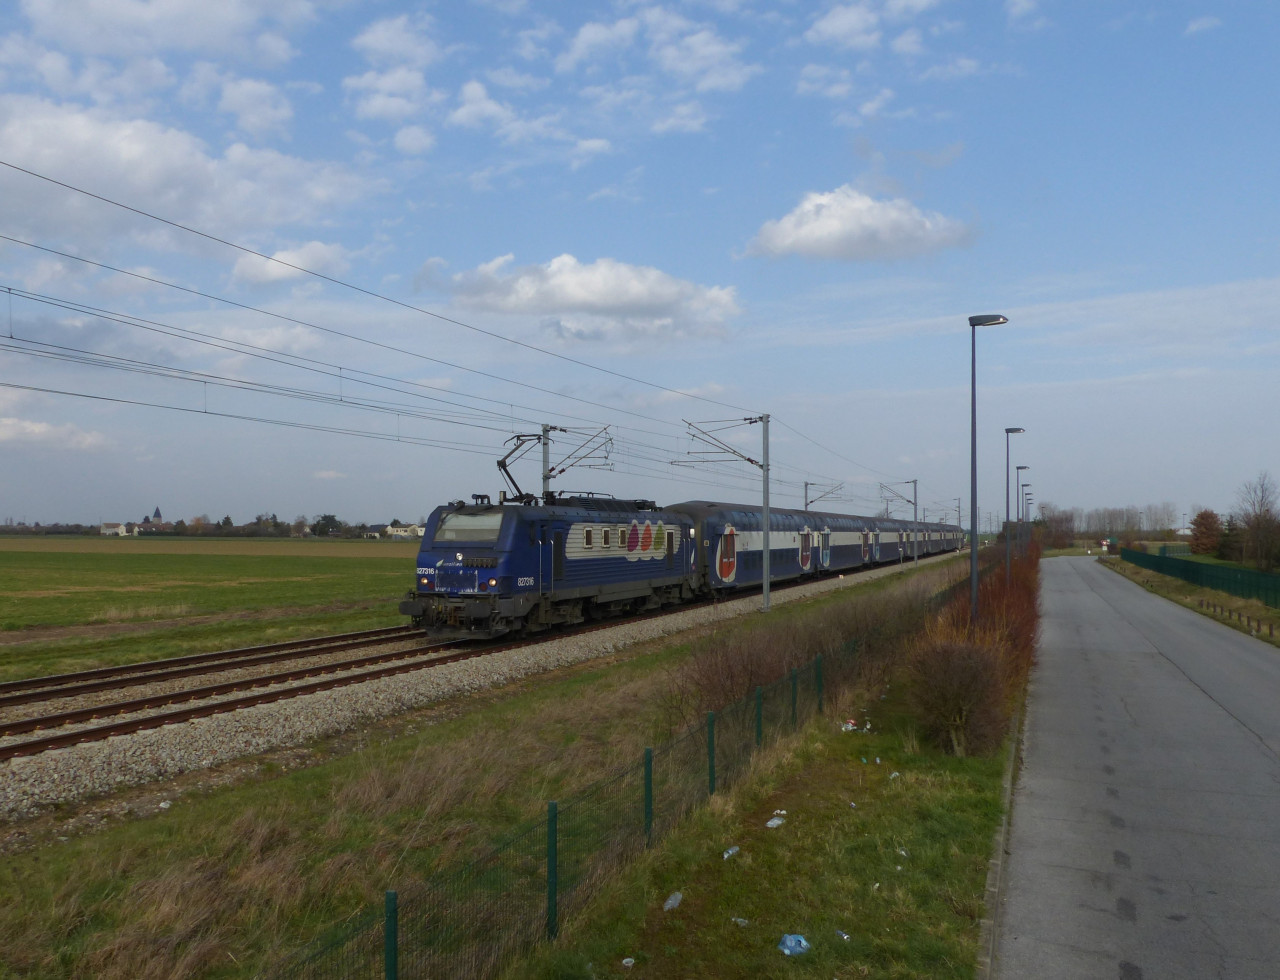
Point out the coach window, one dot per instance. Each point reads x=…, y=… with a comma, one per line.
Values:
x=728, y=549
x=586, y=537
x=604, y=538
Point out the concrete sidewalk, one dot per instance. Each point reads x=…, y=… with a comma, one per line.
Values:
x=1145, y=837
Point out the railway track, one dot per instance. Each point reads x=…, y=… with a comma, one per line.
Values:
x=53, y=686
x=221, y=698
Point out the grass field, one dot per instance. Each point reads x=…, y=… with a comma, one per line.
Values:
x=71, y=604
x=230, y=877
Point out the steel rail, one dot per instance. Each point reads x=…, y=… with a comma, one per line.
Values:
x=60, y=719
x=102, y=732
x=110, y=678
x=9, y=688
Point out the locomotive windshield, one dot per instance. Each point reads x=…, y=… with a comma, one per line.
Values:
x=475, y=528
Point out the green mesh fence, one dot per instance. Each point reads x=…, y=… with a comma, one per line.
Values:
x=1242, y=582
x=478, y=919
x=471, y=922
x=354, y=950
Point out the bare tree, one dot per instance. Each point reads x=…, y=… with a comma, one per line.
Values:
x=1258, y=514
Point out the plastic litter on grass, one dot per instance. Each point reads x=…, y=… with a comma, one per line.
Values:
x=673, y=901
x=793, y=945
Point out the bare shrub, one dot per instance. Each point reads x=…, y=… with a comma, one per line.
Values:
x=964, y=679
x=957, y=691
x=859, y=639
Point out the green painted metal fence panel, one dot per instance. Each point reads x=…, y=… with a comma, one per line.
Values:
x=1242, y=582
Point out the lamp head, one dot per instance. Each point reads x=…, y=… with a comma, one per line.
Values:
x=988, y=320
x=1011, y=431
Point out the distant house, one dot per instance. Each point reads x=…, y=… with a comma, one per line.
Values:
x=111, y=530
x=403, y=531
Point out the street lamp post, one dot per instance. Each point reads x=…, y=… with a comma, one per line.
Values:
x=981, y=320
x=1008, y=545
x=1018, y=476
x=1026, y=507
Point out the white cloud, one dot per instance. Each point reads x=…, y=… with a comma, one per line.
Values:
x=414, y=140
x=904, y=9
x=14, y=431
x=1202, y=24
x=908, y=43
x=130, y=27
x=477, y=109
x=135, y=79
x=688, y=117
x=391, y=95
x=512, y=79
x=854, y=26
x=531, y=43
x=875, y=105
x=586, y=150
x=594, y=40
x=328, y=475
x=696, y=54
x=1025, y=14
x=397, y=41
x=847, y=224
x=330, y=260
x=141, y=161
x=601, y=299
x=952, y=70
x=833, y=83
x=259, y=107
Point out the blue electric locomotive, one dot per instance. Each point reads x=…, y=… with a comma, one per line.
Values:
x=485, y=570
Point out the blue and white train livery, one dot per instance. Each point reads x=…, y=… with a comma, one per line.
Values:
x=485, y=569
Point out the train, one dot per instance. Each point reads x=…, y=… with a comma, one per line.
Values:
x=485, y=569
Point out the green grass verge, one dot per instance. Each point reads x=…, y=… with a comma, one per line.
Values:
x=902, y=874
x=64, y=610
x=1222, y=606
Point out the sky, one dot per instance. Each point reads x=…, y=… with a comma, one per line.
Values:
x=327, y=256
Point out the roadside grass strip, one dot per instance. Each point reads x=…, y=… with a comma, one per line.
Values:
x=880, y=865
x=1246, y=615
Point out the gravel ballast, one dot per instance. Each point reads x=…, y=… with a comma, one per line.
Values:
x=31, y=784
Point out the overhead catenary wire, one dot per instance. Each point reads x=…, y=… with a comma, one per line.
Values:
x=360, y=289
x=388, y=347
x=325, y=368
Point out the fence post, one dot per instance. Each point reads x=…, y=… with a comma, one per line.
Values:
x=820, y=693
x=711, y=753
x=759, y=716
x=795, y=689
x=391, y=938
x=553, y=861
x=648, y=797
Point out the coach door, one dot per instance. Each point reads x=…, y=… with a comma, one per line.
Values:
x=671, y=549
x=557, y=556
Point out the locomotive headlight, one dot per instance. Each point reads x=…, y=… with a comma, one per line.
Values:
x=493, y=583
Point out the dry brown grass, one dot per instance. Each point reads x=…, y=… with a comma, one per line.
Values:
x=964, y=682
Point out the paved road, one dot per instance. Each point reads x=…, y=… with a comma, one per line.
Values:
x=1145, y=839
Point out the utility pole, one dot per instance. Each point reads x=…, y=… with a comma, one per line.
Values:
x=888, y=491
x=765, y=475
x=546, y=462
x=722, y=448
